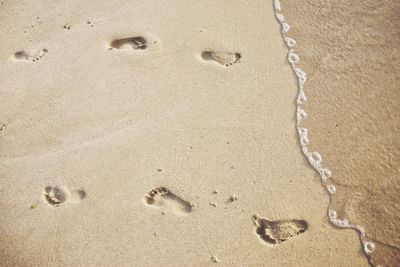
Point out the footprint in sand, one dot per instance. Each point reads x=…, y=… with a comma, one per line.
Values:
x=223, y=58
x=162, y=197
x=135, y=43
x=57, y=195
x=34, y=56
x=275, y=232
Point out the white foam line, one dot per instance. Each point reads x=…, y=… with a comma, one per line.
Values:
x=314, y=158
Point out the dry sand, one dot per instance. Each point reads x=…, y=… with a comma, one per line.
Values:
x=350, y=49
x=110, y=125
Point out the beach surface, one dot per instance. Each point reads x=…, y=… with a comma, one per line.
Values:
x=159, y=133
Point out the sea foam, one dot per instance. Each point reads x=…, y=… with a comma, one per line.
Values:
x=314, y=158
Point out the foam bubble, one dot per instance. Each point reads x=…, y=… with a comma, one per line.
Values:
x=314, y=160
x=332, y=214
x=338, y=222
x=285, y=27
x=290, y=42
x=303, y=131
x=302, y=77
x=293, y=58
x=280, y=17
x=369, y=247
x=300, y=73
x=301, y=97
x=303, y=136
x=301, y=114
x=360, y=229
x=341, y=223
x=304, y=141
x=325, y=174
x=316, y=156
x=277, y=5
x=331, y=188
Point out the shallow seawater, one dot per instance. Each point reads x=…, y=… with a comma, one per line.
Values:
x=349, y=53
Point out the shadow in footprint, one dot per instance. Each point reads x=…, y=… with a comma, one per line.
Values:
x=162, y=197
x=223, y=58
x=25, y=56
x=275, y=232
x=135, y=43
x=21, y=55
x=77, y=196
x=57, y=195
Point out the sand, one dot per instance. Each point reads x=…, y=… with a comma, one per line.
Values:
x=351, y=52
x=156, y=154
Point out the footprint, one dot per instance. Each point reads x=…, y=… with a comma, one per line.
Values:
x=57, y=195
x=223, y=58
x=275, y=232
x=135, y=43
x=23, y=55
x=162, y=197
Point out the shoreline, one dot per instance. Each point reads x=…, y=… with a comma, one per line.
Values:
x=314, y=158
x=353, y=106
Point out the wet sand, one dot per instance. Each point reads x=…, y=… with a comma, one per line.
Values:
x=351, y=53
